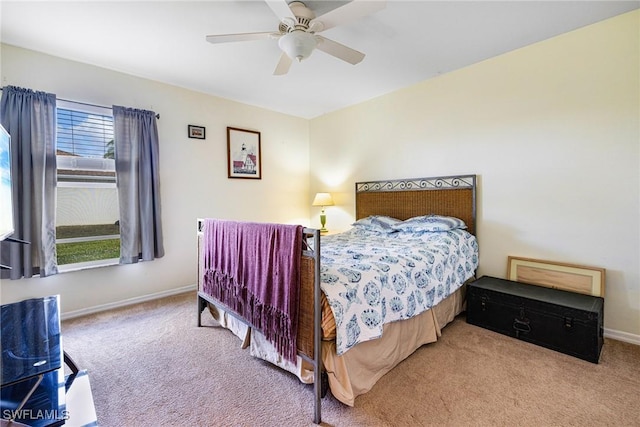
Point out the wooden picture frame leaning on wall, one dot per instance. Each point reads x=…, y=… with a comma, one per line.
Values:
x=568, y=277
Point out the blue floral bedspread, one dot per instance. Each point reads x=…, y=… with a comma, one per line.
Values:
x=372, y=278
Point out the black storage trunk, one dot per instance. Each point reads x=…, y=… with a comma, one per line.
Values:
x=564, y=321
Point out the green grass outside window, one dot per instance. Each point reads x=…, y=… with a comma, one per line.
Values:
x=95, y=250
x=71, y=253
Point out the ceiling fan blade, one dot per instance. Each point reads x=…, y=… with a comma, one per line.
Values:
x=350, y=12
x=280, y=8
x=240, y=37
x=283, y=65
x=340, y=51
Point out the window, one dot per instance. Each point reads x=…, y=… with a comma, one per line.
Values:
x=87, y=212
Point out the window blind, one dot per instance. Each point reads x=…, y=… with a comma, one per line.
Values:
x=83, y=134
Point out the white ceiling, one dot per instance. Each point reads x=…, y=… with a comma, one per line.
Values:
x=407, y=42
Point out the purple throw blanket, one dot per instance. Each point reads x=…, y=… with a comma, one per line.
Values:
x=254, y=269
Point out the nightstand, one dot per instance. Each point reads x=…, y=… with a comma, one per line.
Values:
x=330, y=232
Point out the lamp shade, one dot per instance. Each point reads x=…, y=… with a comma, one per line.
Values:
x=298, y=44
x=323, y=199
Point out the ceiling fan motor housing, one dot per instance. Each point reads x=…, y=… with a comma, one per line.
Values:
x=303, y=14
x=304, y=20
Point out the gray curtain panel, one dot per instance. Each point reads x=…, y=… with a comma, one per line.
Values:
x=138, y=181
x=30, y=119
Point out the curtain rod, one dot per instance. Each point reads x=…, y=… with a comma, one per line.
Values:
x=88, y=104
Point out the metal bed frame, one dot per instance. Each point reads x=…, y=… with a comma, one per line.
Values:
x=399, y=198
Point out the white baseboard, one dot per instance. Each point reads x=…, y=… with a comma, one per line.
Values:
x=622, y=336
x=124, y=303
x=608, y=333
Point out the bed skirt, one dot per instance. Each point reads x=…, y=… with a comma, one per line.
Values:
x=356, y=371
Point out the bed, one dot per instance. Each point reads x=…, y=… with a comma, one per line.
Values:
x=352, y=351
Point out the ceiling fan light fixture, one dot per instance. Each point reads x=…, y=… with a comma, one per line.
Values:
x=298, y=44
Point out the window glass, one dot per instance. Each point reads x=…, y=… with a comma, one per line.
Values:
x=87, y=213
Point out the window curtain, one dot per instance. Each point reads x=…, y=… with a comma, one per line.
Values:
x=138, y=181
x=30, y=119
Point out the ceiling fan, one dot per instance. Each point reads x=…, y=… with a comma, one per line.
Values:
x=298, y=30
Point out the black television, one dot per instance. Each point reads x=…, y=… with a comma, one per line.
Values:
x=6, y=195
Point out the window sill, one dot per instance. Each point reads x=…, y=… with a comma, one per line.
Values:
x=88, y=265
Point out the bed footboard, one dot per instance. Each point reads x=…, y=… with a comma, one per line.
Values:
x=309, y=310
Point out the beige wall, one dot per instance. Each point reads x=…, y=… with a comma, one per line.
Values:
x=552, y=131
x=193, y=175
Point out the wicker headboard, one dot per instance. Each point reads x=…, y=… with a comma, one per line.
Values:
x=406, y=198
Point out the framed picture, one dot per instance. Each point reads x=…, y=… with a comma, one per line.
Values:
x=196, y=132
x=569, y=277
x=243, y=153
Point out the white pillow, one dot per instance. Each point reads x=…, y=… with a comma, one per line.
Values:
x=430, y=223
x=378, y=223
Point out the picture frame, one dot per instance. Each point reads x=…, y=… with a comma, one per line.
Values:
x=197, y=132
x=244, y=155
x=568, y=277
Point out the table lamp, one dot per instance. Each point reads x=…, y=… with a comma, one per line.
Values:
x=323, y=199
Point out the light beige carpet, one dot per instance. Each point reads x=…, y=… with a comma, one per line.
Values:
x=150, y=365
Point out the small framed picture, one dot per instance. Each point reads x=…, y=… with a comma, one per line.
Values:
x=243, y=153
x=196, y=132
